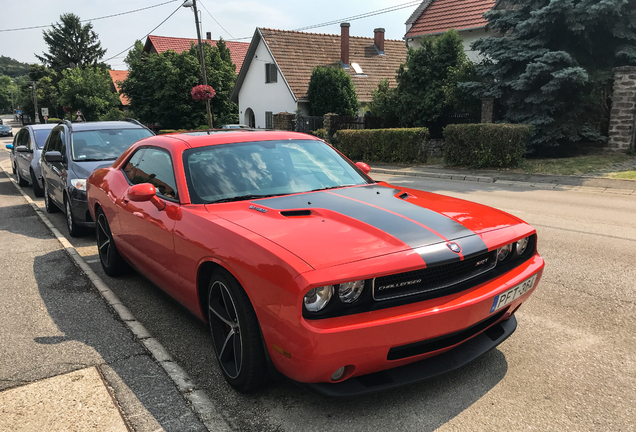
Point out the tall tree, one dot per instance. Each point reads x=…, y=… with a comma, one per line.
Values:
x=47, y=82
x=159, y=85
x=331, y=91
x=88, y=90
x=551, y=64
x=71, y=44
x=8, y=93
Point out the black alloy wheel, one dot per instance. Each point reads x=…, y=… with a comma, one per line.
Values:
x=37, y=190
x=236, y=334
x=112, y=263
x=73, y=229
x=48, y=204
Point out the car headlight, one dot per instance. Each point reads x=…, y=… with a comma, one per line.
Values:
x=503, y=252
x=350, y=291
x=317, y=298
x=522, y=245
x=79, y=184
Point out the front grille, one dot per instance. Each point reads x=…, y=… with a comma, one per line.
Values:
x=432, y=278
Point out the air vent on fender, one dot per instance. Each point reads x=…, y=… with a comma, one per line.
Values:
x=294, y=213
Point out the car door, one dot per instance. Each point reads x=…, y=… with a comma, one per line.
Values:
x=54, y=173
x=146, y=231
x=23, y=159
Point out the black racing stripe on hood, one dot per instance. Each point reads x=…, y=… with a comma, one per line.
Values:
x=395, y=225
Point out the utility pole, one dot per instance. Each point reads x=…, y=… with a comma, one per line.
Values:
x=193, y=3
x=36, y=119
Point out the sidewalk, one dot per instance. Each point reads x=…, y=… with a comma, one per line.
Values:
x=583, y=183
x=69, y=361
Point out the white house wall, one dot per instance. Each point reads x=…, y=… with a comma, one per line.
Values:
x=468, y=37
x=260, y=96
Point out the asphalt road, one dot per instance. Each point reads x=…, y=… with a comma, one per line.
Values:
x=571, y=364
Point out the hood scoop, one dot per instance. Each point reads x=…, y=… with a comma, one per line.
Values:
x=295, y=213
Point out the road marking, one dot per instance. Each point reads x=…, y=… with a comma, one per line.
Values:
x=199, y=402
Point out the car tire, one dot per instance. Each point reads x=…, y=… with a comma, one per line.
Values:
x=236, y=334
x=73, y=229
x=21, y=181
x=112, y=263
x=48, y=203
x=37, y=190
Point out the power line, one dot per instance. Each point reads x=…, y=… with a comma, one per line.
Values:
x=93, y=19
x=206, y=9
x=160, y=24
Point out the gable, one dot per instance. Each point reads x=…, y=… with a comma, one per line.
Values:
x=438, y=16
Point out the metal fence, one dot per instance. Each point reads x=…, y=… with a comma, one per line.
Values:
x=308, y=124
x=361, y=122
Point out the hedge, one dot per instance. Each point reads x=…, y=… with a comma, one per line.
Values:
x=486, y=145
x=167, y=131
x=384, y=145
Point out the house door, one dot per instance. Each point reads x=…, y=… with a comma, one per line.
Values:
x=250, y=120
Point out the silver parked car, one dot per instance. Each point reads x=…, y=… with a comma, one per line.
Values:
x=25, y=155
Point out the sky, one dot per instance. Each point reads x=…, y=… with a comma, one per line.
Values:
x=229, y=19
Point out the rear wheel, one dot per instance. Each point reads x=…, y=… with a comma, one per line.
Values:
x=48, y=204
x=235, y=334
x=112, y=263
x=37, y=190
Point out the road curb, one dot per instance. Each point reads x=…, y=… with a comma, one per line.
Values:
x=502, y=182
x=199, y=403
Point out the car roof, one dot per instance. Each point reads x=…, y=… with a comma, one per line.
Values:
x=103, y=125
x=227, y=136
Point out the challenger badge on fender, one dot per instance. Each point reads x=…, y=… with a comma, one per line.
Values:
x=454, y=247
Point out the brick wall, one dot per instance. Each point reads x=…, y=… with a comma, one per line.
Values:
x=284, y=121
x=623, y=114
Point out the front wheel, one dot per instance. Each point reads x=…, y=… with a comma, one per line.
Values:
x=73, y=229
x=112, y=263
x=37, y=190
x=236, y=334
x=48, y=204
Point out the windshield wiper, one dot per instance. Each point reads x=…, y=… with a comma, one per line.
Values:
x=330, y=187
x=245, y=197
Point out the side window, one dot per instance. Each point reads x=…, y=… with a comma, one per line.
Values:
x=23, y=138
x=28, y=142
x=153, y=165
x=54, y=142
x=270, y=73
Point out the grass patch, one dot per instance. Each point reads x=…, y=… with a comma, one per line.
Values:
x=578, y=165
x=626, y=175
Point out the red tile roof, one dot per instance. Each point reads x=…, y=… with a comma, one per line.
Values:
x=298, y=53
x=117, y=76
x=161, y=44
x=442, y=15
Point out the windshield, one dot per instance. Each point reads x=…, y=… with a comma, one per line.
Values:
x=233, y=172
x=101, y=145
x=40, y=137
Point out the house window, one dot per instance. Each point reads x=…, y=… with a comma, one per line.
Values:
x=269, y=120
x=270, y=73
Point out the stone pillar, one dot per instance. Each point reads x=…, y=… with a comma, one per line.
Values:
x=623, y=114
x=327, y=120
x=284, y=121
x=487, y=109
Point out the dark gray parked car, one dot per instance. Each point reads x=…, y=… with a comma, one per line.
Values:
x=25, y=155
x=71, y=153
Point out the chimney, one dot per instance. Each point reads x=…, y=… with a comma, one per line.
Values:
x=378, y=40
x=208, y=35
x=344, y=44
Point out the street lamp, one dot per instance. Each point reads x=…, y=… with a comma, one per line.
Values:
x=193, y=4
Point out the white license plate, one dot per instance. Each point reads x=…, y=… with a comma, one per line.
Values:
x=512, y=294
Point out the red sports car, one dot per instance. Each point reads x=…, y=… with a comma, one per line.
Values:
x=300, y=261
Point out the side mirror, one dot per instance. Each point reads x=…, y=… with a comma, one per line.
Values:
x=9, y=146
x=145, y=192
x=53, y=156
x=363, y=167
x=22, y=149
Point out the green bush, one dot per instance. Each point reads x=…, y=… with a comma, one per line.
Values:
x=321, y=133
x=485, y=145
x=53, y=120
x=167, y=131
x=384, y=145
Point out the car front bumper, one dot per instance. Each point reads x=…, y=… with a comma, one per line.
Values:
x=79, y=207
x=431, y=337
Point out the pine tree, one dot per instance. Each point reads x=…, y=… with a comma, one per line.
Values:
x=551, y=64
x=71, y=44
